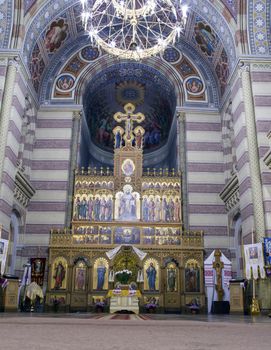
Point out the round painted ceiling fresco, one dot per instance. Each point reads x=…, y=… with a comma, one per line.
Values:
x=145, y=87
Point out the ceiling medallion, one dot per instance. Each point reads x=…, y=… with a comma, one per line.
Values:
x=133, y=29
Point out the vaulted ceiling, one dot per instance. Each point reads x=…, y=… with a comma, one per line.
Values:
x=218, y=30
x=56, y=28
x=64, y=68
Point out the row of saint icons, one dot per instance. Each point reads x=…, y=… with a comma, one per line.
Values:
x=106, y=239
x=101, y=209
x=147, y=231
x=103, y=274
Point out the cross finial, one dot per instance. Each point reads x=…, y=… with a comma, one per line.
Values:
x=129, y=117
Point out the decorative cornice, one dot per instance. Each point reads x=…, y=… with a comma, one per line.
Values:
x=77, y=115
x=61, y=107
x=230, y=193
x=23, y=191
x=195, y=110
x=180, y=117
x=257, y=63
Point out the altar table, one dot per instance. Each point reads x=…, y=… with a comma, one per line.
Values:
x=124, y=300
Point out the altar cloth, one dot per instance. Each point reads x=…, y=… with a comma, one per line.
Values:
x=123, y=293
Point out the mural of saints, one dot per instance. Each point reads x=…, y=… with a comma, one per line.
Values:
x=157, y=209
x=100, y=271
x=127, y=204
x=59, y=280
x=151, y=275
x=192, y=277
x=80, y=277
x=171, y=278
x=98, y=208
x=56, y=34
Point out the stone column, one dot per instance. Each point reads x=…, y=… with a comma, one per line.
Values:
x=182, y=166
x=76, y=127
x=6, y=109
x=253, y=155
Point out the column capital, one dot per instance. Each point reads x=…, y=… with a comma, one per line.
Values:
x=77, y=115
x=14, y=62
x=181, y=116
x=243, y=66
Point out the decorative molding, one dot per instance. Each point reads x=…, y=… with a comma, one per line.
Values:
x=261, y=67
x=230, y=193
x=23, y=191
x=77, y=115
x=258, y=26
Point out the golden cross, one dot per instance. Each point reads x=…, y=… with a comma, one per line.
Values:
x=129, y=117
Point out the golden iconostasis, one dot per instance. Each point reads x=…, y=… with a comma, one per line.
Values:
x=126, y=219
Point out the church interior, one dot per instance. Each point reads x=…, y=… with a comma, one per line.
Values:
x=136, y=183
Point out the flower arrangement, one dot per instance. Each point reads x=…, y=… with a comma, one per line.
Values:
x=123, y=276
x=151, y=305
x=57, y=300
x=99, y=305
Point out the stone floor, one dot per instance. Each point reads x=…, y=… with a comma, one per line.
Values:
x=154, y=332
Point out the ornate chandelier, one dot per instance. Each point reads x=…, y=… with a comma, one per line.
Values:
x=133, y=29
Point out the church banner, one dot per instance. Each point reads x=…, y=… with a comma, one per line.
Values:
x=3, y=254
x=267, y=255
x=267, y=251
x=254, y=261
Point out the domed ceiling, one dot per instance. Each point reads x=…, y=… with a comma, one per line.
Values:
x=56, y=28
x=139, y=84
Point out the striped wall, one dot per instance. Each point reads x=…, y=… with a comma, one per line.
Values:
x=205, y=177
x=15, y=142
x=229, y=152
x=49, y=176
x=241, y=146
x=12, y=152
x=261, y=86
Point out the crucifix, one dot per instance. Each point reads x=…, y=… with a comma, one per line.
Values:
x=129, y=117
x=218, y=265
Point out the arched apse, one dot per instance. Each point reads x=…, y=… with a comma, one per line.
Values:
x=108, y=91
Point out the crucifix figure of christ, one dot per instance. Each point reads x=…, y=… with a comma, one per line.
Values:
x=129, y=117
x=218, y=265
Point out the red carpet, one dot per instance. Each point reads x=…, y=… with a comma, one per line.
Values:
x=120, y=317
